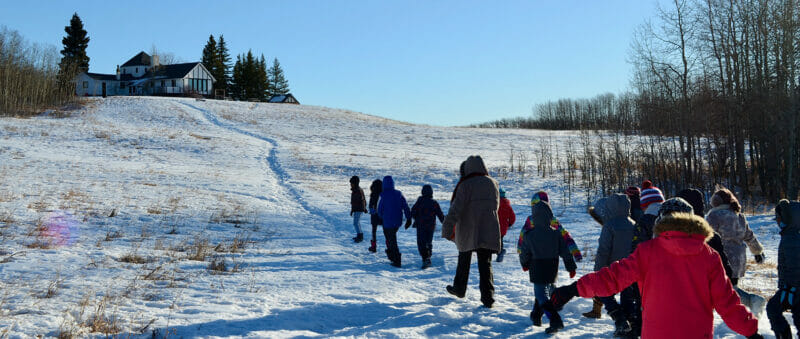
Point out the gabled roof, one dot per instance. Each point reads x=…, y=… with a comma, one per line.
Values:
x=282, y=98
x=172, y=71
x=141, y=59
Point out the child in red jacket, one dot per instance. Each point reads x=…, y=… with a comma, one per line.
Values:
x=507, y=218
x=681, y=280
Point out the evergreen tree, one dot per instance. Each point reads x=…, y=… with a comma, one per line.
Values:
x=210, y=55
x=74, y=59
x=278, y=83
x=262, y=79
x=237, y=83
x=223, y=62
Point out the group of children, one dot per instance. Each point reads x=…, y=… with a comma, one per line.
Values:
x=681, y=262
x=387, y=207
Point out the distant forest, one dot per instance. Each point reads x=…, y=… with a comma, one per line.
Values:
x=720, y=78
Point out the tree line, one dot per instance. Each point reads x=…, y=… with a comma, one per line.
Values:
x=715, y=90
x=249, y=78
x=33, y=77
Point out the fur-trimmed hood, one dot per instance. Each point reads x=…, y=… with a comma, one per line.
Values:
x=685, y=223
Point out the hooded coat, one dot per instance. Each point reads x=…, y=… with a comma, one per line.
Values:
x=392, y=205
x=506, y=216
x=736, y=237
x=616, y=237
x=681, y=281
x=473, y=213
x=426, y=210
x=643, y=229
x=541, y=244
x=789, y=246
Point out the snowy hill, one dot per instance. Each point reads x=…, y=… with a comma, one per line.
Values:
x=120, y=217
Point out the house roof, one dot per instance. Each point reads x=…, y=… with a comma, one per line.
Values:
x=281, y=98
x=173, y=71
x=141, y=59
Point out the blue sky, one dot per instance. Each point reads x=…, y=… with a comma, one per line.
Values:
x=434, y=62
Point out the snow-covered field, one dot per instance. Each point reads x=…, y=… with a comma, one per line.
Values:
x=119, y=217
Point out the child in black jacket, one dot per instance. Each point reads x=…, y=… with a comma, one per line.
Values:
x=425, y=212
x=374, y=195
x=358, y=205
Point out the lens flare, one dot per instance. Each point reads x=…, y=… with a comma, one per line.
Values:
x=60, y=228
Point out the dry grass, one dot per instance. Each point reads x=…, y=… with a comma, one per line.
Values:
x=134, y=258
x=199, y=250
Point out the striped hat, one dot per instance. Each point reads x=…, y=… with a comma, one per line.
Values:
x=649, y=196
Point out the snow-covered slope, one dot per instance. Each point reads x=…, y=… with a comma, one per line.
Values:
x=262, y=188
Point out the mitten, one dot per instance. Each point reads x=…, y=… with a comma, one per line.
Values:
x=351, y=213
x=571, y=274
x=759, y=258
x=524, y=269
x=408, y=223
x=562, y=295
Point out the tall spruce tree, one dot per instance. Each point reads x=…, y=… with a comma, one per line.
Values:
x=237, y=80
x=223, y=62
x=74, y=59
x=210, y=55
x=262, y=79
x=278, y=85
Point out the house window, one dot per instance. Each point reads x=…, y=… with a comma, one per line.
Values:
x=162, y=83
x=137, y=70
x=122, y=84
x=85, y=84
x=173, y=82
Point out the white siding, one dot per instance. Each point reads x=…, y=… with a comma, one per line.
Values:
x=136, y=71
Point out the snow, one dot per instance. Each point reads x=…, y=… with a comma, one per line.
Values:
x=263, y=187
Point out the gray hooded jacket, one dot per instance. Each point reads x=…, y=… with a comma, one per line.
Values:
x=616, y=238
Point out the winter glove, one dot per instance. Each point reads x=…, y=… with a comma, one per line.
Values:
x=408, y=223
x=756, y=336
x=524, y=269
x=562, y=295
x=571, y=274
x=759, y=258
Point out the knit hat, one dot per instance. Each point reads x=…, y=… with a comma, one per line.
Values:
x=647, y=184
x=633, y=191
x=782, y=211
x=649, y=196
x=538, y=197
x=673, y=205
x=694, y=198
x=502, y=193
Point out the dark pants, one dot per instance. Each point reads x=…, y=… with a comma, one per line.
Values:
x=374, y=231
x=485, y=270
x=777, y=305
x=628, y=302
x=425, y=242
x=392, y=251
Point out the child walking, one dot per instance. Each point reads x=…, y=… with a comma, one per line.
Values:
x=374, y=195
x=681, y=280
x=425, y=212
x=539, y=247
x=391, y=208
x=358, y=205
x=787, y=215
x=507, y=218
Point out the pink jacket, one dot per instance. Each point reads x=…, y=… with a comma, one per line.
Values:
x=681, y=279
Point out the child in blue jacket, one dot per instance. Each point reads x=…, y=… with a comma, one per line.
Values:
x=391, y=208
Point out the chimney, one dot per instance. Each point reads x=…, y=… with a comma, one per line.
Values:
x=154, y=61
x=117, y=72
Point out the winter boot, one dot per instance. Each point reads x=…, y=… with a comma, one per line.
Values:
x=396, y=262
x=426, y=263
x=785, y=334
x=501, y=255
x=597, y=308
x=621, y=326
x=359, y=237
x=555, y=319
x=536, y=314
x=452, y=290
x=373, y=247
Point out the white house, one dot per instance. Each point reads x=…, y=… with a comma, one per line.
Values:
x=143, y=75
